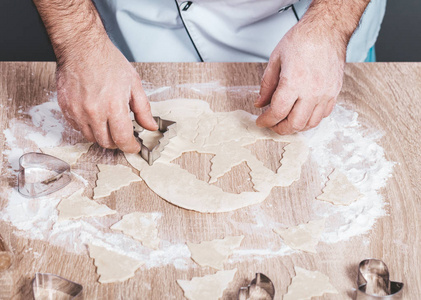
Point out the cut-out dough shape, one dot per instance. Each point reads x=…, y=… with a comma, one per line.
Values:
x=214, y=253
x=307, y=284
x=77, y=206
x=112, y=178
x=140, y=226
x=209, y=287
x=339, y=190
x=69, y=154
x=224, y=134
x=303, y=237
x=112, y=266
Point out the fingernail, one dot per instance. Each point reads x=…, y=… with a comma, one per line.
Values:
x=257, y=100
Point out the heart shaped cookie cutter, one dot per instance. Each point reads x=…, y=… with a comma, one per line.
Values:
x=261, y=287
x=47, y=286
x=374, y=284
x=42, y=174
x=167, y=128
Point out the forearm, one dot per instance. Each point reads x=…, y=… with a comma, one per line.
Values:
x=74, y=27
x=340, y=17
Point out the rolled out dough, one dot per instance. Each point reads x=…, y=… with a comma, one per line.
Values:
x=339, y=190
x=112, y=178
x=303, y=237
x=69, y=154
x=307, y=284
x=209, y=287
x=140, y=226
x=112, y=266
x=77, y=206
x=224, y=134
x=214, y=253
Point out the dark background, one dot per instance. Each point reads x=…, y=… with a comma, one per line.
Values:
x=23, y=37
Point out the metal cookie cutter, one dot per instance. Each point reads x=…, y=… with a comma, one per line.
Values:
x=49, y=287
x=374, y=284
x=167, y=128
x=260, y=288
x=42, y=174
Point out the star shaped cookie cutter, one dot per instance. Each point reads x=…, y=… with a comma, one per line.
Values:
x=46, y=286
x=167, y=128
x=374, y=284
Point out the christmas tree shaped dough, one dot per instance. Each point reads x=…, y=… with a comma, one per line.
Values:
x=112, y=266
x=307, y=284
x=303, y=237
x=77, y=206
x=339, y=190
x=214, y=253
x=209, y=287
x=112, y=178
x=69, y=154
x=140, y=226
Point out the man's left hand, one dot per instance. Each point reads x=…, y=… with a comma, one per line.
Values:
x=303, y=78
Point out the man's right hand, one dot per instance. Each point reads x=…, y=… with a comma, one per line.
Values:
x=96, y=86
x=96, y=92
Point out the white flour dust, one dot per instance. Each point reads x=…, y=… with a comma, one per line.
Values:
x=359, y=157
x=362, y=160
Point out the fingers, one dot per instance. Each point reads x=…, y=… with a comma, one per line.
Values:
x=329, y=107
x=87, y=133
x=269, y=83
x=297, y=118
x=141, y=108
x=317, y=116
x=283, y=100
x=102, y=135
x=122, y=133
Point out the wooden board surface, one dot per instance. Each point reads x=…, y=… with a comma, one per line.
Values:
x=386, y=96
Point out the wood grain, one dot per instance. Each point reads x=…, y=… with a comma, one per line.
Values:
x=386, y=96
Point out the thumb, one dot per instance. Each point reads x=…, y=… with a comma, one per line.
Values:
x=269, y=82
x=139, y=104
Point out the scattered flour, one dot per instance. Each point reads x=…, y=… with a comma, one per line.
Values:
x=359, y=157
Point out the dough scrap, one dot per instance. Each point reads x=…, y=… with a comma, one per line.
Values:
x=339, y=190
x=140, y=226
x=307, y=284
x=224, y=134
x=77, y=206
x=112, y=178
x=214, y=253
x=303, y=237
x=69, y=154
x=112, y=266
x=209, y=287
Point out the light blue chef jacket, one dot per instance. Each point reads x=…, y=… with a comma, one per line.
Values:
x=217, y=30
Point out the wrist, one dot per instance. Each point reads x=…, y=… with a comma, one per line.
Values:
x=335, y=18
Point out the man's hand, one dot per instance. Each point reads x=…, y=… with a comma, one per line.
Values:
x=305, y=72
x=96, y=86
x=96, y=93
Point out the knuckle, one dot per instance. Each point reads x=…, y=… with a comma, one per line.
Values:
x=279, y=112
x=298, y=124
x=90, y=108
x=267, y=82
x=122, y=140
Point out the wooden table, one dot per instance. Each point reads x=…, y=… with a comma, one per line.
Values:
x=386, y=95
